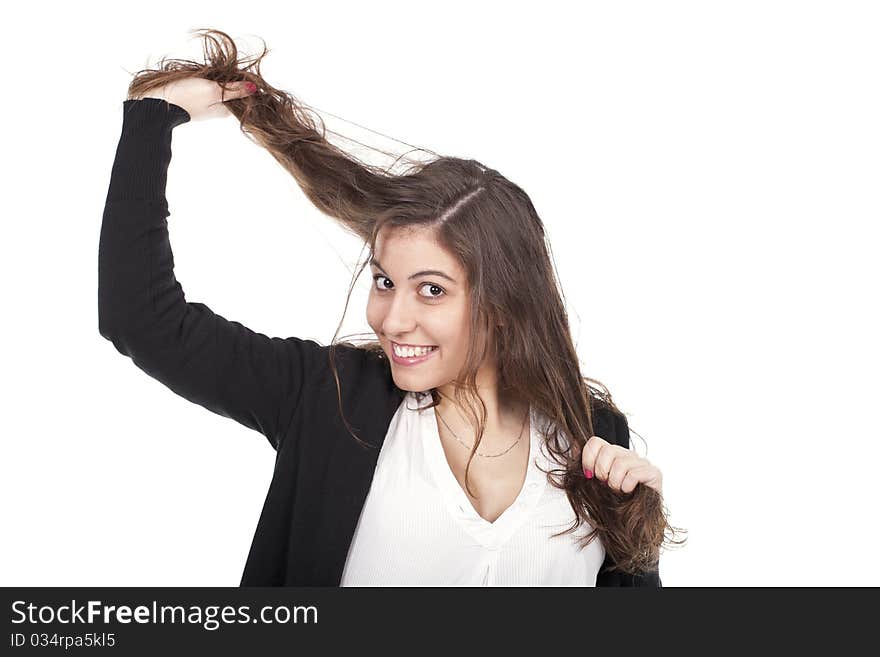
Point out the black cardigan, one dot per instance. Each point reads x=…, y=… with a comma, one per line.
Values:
x=280, y=387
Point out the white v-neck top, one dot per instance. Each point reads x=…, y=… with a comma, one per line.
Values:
x=418, y=528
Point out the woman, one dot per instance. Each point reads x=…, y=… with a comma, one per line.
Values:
x=421, y=458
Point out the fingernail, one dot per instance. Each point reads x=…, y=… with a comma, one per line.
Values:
x=588, y=473
x=251, y=87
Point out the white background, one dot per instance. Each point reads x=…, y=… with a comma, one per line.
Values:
x=708, y=174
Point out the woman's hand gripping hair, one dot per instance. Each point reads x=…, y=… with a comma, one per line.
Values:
x=620, y=468
x=201, y=98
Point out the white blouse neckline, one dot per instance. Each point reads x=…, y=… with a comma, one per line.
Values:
x=491, y=535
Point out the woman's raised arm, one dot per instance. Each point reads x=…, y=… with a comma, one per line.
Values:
x=203, y=357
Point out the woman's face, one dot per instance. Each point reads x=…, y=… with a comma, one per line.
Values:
x=418, y=296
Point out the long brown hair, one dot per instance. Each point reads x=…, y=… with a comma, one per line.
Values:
x=517, y=305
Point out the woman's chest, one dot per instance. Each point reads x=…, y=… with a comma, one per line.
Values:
x=493, y=483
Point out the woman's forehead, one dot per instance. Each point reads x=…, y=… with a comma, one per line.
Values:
x=414, y=249
x=409, y=241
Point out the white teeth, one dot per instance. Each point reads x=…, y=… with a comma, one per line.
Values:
x=410, y=352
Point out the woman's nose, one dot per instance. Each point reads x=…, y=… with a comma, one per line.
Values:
x=399, y=319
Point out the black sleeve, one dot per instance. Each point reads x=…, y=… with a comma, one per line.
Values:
x=201, y=356
x=618, y=433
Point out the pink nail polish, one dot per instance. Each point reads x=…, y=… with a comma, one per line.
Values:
x=588, y=473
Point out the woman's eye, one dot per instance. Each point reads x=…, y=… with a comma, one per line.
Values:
x=431, y=286
x=376, y=277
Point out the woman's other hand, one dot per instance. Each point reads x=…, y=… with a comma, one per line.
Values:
x=201, y=98
x=619, y=467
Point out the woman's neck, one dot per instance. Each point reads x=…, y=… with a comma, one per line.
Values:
x=505, y=418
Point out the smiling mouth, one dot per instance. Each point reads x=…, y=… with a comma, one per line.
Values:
x=417, y=357
x=404, y=350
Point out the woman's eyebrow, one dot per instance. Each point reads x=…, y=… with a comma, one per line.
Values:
x=425, y=272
